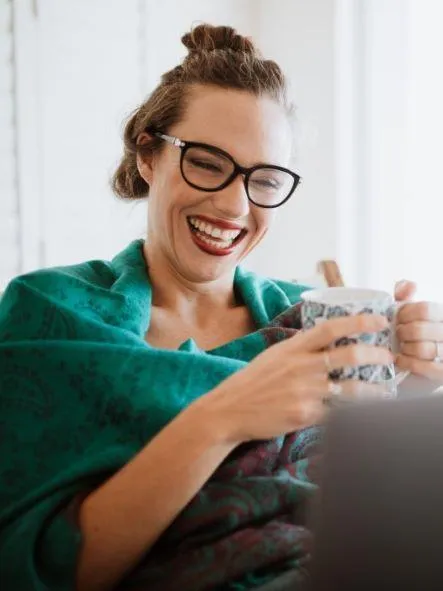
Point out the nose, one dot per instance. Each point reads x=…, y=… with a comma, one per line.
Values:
x=232, y=201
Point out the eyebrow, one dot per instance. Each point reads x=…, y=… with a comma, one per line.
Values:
x=225, y=152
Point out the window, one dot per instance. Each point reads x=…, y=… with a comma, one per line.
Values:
x=9, y=210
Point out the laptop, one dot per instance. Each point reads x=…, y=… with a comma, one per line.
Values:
x=378, y=516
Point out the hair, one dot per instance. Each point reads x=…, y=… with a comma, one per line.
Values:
x=217, y=56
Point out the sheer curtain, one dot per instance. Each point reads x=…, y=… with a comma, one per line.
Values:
x=397, y=131
x=424, y=211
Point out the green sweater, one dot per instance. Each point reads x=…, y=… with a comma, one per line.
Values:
x=81, y=392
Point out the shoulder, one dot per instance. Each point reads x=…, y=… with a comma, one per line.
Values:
x=111, y=293
x=291, y=290
x=34, y=296
x=92, y=274
x=271, y=287
x=97, y=273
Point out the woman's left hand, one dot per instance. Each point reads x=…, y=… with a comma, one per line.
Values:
x=420, y=334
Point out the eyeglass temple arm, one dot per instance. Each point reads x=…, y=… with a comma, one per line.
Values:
x=175, y=141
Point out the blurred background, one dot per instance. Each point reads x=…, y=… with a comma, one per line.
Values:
x=366, y=77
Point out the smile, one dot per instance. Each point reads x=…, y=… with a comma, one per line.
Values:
x=213, y=239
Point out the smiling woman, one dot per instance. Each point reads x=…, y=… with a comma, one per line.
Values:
x=222, y=127
x=166, y=366
x=221, y=187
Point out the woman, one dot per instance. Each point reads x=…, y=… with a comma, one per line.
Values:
x=153, y=438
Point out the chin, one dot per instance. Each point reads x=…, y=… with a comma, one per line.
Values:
x=202, y=273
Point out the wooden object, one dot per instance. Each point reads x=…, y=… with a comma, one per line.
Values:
x=331, y=272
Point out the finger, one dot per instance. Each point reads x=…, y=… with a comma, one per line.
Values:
x=420, y=330
x=404, y=290
x=425, y=350
x=430, y=311
x=351, y=390
x=319, y=388
x=329, y=331
x=427, y=369
x=348, y=355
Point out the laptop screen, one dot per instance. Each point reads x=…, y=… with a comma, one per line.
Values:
x=378, y=516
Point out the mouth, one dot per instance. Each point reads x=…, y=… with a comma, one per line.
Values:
x=214, y=239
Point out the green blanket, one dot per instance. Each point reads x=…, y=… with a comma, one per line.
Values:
x=81, y=392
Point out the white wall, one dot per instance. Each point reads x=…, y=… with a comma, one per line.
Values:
x=89, y=63
x=167, y=20
x=9, y=241
x=78, y=74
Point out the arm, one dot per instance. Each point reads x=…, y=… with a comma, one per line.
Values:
x=280, y=391
x=124, y=517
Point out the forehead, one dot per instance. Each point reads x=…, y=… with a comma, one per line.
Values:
x=252, y=129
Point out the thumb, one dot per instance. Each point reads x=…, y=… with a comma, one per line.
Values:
x=404, y=290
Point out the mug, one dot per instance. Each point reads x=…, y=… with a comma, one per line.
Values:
x=319, y=305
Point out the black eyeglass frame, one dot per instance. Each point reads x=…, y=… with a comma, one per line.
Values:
x=245, y=172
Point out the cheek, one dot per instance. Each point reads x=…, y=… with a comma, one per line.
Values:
x=166, y=193
x=165, y=179
x=165, y=172
x=263, y=219
x=174, y=189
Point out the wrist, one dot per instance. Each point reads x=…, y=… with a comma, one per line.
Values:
x=210, y=422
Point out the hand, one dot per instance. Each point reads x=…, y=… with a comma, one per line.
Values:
x=420, y=334
x=284, y=387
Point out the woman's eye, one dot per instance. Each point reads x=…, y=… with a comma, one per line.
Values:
x=266, y=183
x=205, y=165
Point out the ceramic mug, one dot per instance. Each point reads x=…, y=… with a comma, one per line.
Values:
x=323, y=304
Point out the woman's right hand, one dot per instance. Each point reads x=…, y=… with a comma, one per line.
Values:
x=283, y=388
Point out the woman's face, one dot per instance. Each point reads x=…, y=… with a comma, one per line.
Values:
x=253, y=130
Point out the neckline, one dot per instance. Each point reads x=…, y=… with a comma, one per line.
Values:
x=246, y=284
x=242, y=295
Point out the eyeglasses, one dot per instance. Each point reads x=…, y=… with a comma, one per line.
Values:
x=208, y=168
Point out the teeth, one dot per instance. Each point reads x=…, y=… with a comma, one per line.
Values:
x=214, y=231
x=215, y=243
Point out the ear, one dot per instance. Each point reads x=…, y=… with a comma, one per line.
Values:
x=145, y=161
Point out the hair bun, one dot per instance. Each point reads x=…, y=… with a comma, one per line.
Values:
x=209, y=38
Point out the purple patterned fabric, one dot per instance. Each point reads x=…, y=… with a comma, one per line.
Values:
x=248, y=518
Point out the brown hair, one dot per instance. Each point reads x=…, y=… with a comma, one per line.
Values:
x=216, y=56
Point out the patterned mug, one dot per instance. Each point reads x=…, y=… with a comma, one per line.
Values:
x=319, y=305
